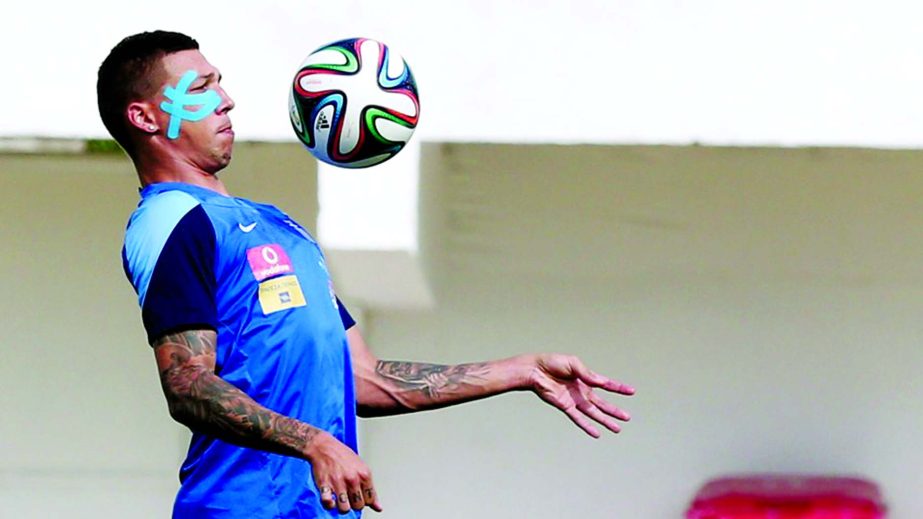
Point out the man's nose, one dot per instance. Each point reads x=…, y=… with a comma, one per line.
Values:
x=227, y=104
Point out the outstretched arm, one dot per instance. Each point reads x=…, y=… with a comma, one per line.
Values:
x=386, y=387
x=201, y=400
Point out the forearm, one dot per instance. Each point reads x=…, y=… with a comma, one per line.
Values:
x=209, y=404
x=203, y=401
x=396, y=387
x=385, y=387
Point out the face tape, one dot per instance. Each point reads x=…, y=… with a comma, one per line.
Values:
x=207, y=101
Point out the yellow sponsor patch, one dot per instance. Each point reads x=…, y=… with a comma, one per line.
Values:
x=281, y=294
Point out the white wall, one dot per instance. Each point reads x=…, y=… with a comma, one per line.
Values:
x=764, y=302
x=713, y=71
x=85, y=431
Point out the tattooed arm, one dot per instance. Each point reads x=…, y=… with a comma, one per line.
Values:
x=386, y=387
x=203, y=401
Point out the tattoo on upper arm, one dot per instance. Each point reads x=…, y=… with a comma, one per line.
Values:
x=196, y=342
x=178, y=372
x=432, y=380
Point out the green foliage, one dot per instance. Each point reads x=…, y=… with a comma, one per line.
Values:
x=102, y=146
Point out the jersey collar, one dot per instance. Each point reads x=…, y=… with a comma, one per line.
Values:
x=197, y=191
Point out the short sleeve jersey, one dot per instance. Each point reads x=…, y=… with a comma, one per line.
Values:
x=199, y=259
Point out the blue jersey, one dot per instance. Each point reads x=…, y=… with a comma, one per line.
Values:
x=199, y=259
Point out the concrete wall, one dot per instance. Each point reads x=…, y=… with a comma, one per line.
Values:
x=85, y=430
x=765, y=302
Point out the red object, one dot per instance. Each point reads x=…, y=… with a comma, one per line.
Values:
x=787, y=497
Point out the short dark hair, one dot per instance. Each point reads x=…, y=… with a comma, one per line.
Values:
x=124, y=76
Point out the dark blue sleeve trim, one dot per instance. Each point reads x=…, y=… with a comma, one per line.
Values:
x=348, y=321
x=181, y=294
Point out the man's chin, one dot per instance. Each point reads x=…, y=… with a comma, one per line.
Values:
x=221, y=162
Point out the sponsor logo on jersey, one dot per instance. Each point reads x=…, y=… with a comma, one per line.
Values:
x=268, y=261
x=279, y=294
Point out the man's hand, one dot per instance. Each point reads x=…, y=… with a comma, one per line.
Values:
x=205, y=402
x=564, y=382
x=344, y=480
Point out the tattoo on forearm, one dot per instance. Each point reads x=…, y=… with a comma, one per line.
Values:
x=431, y=380
x=204, y=401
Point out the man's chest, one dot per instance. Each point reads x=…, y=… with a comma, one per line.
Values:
x=266, y=257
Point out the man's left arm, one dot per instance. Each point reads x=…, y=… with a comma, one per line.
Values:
x=386, y=387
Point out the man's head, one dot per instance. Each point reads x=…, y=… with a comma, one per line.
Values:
x=157, y=94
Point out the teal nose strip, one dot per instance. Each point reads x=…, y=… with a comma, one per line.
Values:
x=207, y=102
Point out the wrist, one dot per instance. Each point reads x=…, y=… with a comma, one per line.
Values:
x=312, y=441
x=525, y=369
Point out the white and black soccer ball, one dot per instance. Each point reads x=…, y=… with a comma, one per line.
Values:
x=354, y=103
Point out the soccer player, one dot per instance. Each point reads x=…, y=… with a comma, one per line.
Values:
x=256, y=354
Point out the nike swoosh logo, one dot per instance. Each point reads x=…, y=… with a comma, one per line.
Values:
x=246, y=228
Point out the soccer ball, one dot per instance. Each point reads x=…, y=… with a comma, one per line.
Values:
x=354, y=103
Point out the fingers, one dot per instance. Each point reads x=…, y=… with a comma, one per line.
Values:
x=609, y=409
x=371, y=499
x=343, y=501
x=580, y=404
x=569, y=384
x=326, y=497
x=594, y=379
x=343, y=480
x=618, y=387
x=590, y=409
x=581, y=421
x=356, y=501
x=599, y=410
x=350, y=495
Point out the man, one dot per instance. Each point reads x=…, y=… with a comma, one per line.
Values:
x=256, y=354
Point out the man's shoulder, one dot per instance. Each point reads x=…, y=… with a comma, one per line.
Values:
x=167, y=204
x=161, y=211
x=166, y=213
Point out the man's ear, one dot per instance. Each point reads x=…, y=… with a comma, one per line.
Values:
x=141, y=116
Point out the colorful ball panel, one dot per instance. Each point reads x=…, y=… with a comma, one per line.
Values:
x=354, y=103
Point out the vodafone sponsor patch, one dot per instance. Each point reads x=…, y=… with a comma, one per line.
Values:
x=267, y=261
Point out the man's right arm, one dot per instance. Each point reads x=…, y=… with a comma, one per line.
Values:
x=203, y=401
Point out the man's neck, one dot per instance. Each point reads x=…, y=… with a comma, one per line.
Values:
x=155, y=173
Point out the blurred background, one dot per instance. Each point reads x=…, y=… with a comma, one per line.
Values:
x=718, y=202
